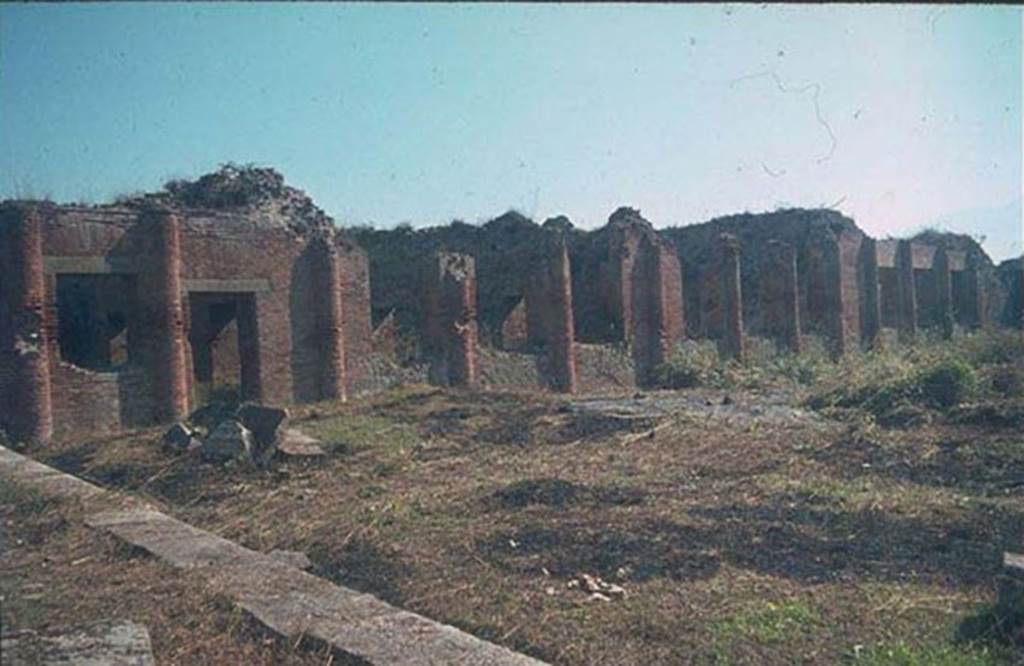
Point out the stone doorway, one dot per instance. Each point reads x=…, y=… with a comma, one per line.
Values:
x=225, y=347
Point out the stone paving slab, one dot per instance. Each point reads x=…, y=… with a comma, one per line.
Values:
x=771, y=408
x=286, y=599
x=44, y=478
x=100, y=644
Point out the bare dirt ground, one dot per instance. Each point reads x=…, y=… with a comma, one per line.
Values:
x=744, y=527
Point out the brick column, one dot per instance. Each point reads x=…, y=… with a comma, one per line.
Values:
x=333, y=379
x=169, y=377
x=561, y=329
x=871, y=312
x=943, y=292
x=671, y=325
x=975, y=294
x=906, y=299
x=786, y=319
x=32, y=411
x=449, y=319
x=458, y=303
x=832, y=276
x=732, y=298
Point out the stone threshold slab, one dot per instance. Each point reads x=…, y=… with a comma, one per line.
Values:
x=284, y=598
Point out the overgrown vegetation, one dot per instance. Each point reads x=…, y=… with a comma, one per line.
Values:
x=932, y=374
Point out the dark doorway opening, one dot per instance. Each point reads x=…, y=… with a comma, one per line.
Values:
x=94, y=316
x=225, y=347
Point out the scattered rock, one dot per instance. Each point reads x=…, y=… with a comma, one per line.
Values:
x=208, y=417
x=108, y=643
x=262, y=421
x=229, y=441
x=295, y=558
x=180, y=438
x=296, y=444
x=597, y=588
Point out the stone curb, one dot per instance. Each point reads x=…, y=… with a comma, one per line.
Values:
x=285, y=599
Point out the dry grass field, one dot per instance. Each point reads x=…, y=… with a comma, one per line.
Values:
x=790, y=510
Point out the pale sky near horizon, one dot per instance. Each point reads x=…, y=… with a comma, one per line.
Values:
x=899, y=116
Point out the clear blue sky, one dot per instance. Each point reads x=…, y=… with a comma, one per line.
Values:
x=899, y=116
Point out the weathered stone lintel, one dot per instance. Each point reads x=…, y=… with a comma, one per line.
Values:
x=254, y=285
x=96, y=265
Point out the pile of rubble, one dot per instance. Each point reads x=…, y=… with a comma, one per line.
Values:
x=251, y=434
x=260, y=191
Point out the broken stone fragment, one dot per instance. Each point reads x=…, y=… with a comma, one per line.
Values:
x=294, y=558
x=229, y=441
x=179, y=438
x=263, y=422
x=597, y=588
x=297, y=444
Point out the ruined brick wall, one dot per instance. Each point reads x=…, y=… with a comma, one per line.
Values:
x=276, y=343
x=515, y=327
x=284, y=278
x=1011, y=275
x=509, y=371
x=502, y=250
x=869, y=284
x=604, y=368
x=888, y=296
x=358, y=327
x=603, y=276
x=518, y=292
x=979, y=296
x=698, y=253
x=780, y=301
x=385, y=337
x=627, y=288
